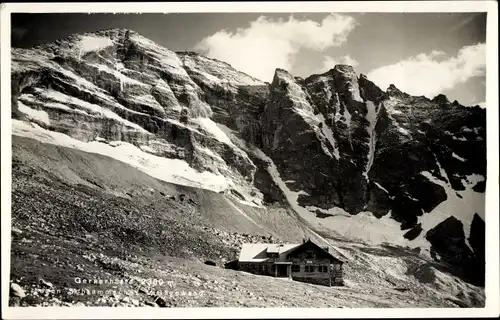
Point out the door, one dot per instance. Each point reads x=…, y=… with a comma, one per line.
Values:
x=281, y=270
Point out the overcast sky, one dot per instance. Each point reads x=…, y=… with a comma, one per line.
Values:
x=421, y=53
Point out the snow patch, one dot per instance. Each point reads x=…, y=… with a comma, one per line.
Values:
x=461, y=208
x=211, y=127
x=120, y=76
x=411, y=198
x=251, y=204
x=383, y=189
x=366, y=227
x=34, y=115
x=371, y=116
x=456, y=156
x=209, y=152
x=459, y=139
x=327, y=132
x=404, y=131
x=88, y=107
x=92, y=43
x=170, y=170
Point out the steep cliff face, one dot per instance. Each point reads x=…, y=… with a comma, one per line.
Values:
x=116, y=85
x=343, y=142
x=347, y=156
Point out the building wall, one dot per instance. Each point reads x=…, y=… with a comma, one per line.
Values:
x=263, y=268
x=332, y=277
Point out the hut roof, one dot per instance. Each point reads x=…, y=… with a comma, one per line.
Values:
x=258, y=252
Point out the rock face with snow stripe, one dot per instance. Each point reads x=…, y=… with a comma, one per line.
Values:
x=115, y=85
x=335, y=147
x=292, y=138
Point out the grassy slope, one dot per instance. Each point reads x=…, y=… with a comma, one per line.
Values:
x=77, y=214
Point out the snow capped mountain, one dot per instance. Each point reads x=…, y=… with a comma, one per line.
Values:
x=350, y=159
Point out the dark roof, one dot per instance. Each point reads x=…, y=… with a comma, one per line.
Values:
x=319, y=248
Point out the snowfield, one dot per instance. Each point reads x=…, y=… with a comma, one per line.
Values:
x=463, y=208
x=371, y=116
x=35, y=115
x=365, y=227
x=88, y=43
x=170, y=170
x=213, y=129
x=327, y=132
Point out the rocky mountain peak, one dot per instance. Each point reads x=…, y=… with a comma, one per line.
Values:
x=394, y=92
x=344, y=68
x=77, y=44
x=346, y=82
x=282, y=74
x=284, y=81
x=113, y=32
x=441, y=99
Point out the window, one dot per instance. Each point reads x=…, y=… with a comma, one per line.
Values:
x=323, y=268
x=310, y=255
x=295, y=268
x=309, y=268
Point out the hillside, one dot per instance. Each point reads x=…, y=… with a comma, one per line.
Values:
x=63, y=230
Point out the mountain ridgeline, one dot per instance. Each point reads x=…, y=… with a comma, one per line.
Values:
x=331, y=146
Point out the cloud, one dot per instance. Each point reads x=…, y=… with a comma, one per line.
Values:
x=437, y=53
x=427, y=75
x=330, y=62
x=266, y=44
